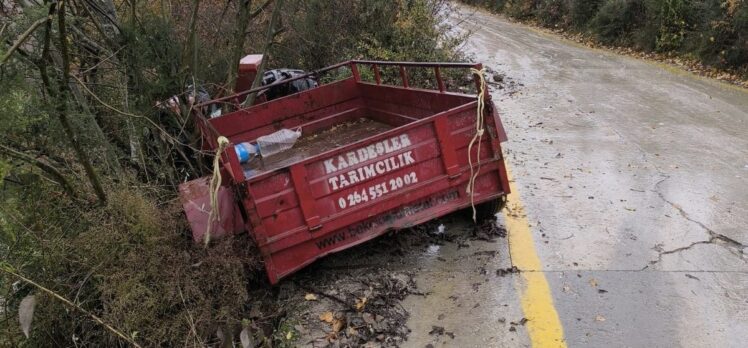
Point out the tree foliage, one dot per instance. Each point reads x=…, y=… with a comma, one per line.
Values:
x=714, y=31
x=90, y=158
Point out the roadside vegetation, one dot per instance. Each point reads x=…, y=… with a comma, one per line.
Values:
x=712, y=32
x=94, y=249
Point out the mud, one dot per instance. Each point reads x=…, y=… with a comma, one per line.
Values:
x=365, y=288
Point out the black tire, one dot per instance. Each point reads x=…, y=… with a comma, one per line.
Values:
x=487, y=210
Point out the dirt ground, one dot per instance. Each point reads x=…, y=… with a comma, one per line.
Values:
x=633, y=178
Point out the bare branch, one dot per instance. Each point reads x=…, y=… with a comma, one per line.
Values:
x=121, y=335
x=259, y=10
x=61, y=97
x=23, y=38
x=50, y=170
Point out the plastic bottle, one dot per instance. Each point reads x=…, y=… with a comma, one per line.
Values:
x=245, y=151
x=279, y=141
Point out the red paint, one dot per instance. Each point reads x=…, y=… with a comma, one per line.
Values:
x=196, y=203
x=407, y=175
x=247, y=71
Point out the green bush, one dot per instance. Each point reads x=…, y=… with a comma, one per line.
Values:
x=520, y=9
x=725, y=41
x=553, y=13
x=714, y=31
x=615, y=20
x=672, y=16
x=582, y=11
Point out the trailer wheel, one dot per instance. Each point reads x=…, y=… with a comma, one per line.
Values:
x=488, y=210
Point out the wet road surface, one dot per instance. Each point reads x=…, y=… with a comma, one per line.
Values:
x=628, y=218
x=634, y=180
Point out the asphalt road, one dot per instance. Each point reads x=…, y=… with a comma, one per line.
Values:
x=634, y=181
x=628, y=220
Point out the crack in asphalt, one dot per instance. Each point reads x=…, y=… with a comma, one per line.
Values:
x=715, y=238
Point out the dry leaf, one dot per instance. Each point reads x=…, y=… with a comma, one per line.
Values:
x=326, y=317
x=221, y=336
x=310, y=297
x=360, y=303
x=352, y=332
x=246, y=338
x=26, y=313
x=600, y=318
x=337, y=325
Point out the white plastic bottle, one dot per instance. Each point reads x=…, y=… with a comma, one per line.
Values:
x=279, y=141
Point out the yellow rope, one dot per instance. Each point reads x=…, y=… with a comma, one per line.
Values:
x=478, y=136
x=215, y=184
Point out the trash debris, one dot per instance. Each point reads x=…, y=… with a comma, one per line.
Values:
x=246, y=151
x=279, y=141
x=310, y=297
x=489, y=231
x=504, y=271
x=436, y=330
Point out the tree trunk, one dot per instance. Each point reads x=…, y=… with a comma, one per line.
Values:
x=242, y=23
x=266, y=51
x=61, y=98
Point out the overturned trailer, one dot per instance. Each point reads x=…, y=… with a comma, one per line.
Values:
x=372, y=157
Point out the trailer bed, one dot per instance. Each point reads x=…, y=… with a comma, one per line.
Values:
x=372, y=158
x=313, y=144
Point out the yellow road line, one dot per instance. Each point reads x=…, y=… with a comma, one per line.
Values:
x=543, y=325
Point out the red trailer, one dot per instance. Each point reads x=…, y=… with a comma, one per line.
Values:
x=372, y=157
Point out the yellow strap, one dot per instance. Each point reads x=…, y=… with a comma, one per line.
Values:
x=478, y=136
x=215, y=184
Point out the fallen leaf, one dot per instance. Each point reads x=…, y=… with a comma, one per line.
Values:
x=599, y=318
x=221, y=336
x=337, y=324
x=326, y=317
x=360, y=303
x=352, y=332
x=368, y=318
x=26, y=313
x=289, y=335
x=310, y=297
x=246, y=338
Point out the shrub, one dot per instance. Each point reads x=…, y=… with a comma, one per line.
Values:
x=614, y=22
x=737, y=54
x=582, y=11
x=520, y=9
x=672, y=18
x=553, y=13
